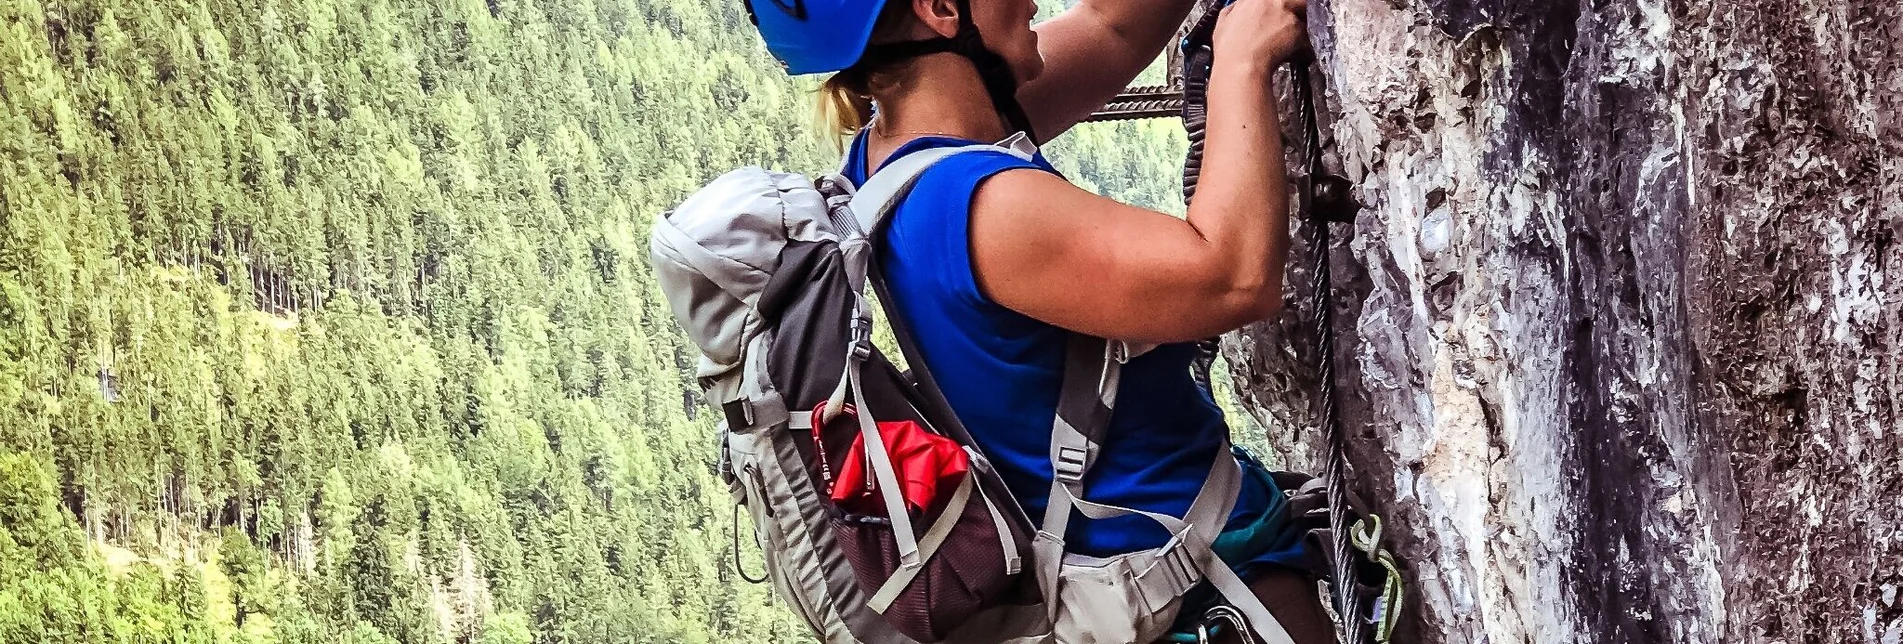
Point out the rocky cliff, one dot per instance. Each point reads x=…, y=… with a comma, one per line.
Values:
x=1620, y=334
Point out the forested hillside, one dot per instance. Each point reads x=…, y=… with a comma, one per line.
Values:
x=330, y=320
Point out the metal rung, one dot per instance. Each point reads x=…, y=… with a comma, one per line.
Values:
x=1143, y=102
x=1157, y=101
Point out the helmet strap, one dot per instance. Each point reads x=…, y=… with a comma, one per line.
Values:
x=993, y=70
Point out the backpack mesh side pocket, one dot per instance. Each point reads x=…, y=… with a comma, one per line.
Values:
x=967, y=574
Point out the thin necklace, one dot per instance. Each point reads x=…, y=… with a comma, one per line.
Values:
x=878, y=129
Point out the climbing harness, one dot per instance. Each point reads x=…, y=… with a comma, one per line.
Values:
x=1353, y=544
x=771, y=274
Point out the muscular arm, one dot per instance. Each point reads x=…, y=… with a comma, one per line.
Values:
x=1052, y=251
x=1091, y=52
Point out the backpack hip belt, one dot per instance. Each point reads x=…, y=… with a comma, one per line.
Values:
x=1095, y=594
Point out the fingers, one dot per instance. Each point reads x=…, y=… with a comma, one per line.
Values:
x=1297, y=7
x=1268, y=30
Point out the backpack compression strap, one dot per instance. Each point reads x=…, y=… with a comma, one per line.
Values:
x=886, y=187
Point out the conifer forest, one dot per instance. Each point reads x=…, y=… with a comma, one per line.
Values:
x=331, y=320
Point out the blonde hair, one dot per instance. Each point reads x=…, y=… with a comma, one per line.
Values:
x=845, y=99
x=845, y=106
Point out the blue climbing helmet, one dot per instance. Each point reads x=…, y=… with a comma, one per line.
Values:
x=819, y=36
x=815, y=36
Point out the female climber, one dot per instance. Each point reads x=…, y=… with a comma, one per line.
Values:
x=994, y=259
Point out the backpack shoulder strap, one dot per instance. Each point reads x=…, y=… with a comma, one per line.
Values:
x=885, y=188
x=867, y=207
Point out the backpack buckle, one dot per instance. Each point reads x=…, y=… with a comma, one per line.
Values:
x=861, y=337
x=738, y=413
x=1172, y=572
x=1069, y=466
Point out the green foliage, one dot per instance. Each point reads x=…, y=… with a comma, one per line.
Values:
x=506, y=628
x=330, y=320
x=56, y=590
x=243, y=566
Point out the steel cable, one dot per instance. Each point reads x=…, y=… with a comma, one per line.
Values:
x=1197, y=62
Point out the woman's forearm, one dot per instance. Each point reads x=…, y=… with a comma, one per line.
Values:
x=1091, y=52
x=1241, y=206
x=1142, y=27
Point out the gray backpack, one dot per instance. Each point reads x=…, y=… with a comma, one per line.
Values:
x=769, y=274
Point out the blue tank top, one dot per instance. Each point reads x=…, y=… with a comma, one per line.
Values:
x=1000, y=371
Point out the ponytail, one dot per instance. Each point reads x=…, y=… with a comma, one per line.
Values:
x=844, y=106
x=845, y=99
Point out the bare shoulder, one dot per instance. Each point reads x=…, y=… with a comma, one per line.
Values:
x=1061, y=254
x=1027, y=211
x=1037, y=204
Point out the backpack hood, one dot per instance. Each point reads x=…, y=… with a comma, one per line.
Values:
x=716, y=253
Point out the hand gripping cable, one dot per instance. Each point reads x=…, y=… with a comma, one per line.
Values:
x=1324, y=198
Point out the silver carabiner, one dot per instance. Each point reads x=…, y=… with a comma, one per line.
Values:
x=1229, y=614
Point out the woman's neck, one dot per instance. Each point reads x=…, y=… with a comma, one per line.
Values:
x=937, y=95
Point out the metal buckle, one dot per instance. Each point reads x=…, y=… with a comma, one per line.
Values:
x=1226, y=613
x=738, y=413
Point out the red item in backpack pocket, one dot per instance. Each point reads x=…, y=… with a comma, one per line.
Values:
x=928, y=466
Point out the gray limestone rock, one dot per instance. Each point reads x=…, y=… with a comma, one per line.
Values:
x=1620, y=334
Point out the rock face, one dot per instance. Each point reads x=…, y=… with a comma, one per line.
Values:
x=1620, y=335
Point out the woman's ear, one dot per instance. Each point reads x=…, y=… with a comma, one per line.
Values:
x=939, y=16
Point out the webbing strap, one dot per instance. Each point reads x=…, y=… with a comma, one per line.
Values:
x=875, y=199
x=1190, y=558
x=927, y=546
x=1085, y=399
x=889, y=490
x=1092, y=375
x=1244, y=600
x=868, y=208
x=869, y=205
x=996, y=504
x=1013, y=562
x=1179, y=564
